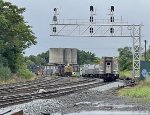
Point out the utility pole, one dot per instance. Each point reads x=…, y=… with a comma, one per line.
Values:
x=145, y=50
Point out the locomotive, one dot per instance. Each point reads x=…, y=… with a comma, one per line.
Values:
x=63, y=70
x=106, y=70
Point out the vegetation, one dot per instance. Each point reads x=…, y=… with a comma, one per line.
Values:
x=41, y=59
x=125, y=74
x=125, y=58
x=148, y=55
x=25, y=74
x=15, y=37
x=5, y=73
x=86, y=57
x=125, y=62
x=141, y=91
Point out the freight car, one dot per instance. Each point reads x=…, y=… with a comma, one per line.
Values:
x=107, y=69
x=37, y=69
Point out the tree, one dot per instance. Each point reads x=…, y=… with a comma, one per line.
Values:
x=40, y=59
x=148, y=54
x=85, y=57
x=97, y=60
x=15, y=35
x=125, y=58
x=45, y=57
x=82, y=57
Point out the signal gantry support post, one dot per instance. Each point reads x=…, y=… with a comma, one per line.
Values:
x=102, y=28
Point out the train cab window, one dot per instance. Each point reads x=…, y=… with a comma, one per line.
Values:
x=75, y=68
x=108, y=63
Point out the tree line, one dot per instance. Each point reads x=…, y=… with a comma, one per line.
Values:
x=42, y=59
x=125, y=58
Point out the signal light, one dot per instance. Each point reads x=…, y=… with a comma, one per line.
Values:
x=55, y=9
x=54, y=29
x=112, y=8
x=91, y=18
x=111, y=30
x=91, y=30
x=55, y=18
x=91, y=8
x=111, y=19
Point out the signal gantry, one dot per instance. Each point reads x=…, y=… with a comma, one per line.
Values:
x=92, y=27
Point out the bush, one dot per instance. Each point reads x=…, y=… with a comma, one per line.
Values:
x=25, y=74
x=5, y=73
x=125, y=74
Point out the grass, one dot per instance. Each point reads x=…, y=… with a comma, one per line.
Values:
x=5, y=73
x=125, y=74
x=15, y=79
x=136, y=92
x=22, y=75
x=25, y=74
x=141, y=91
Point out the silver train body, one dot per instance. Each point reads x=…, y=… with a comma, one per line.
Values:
x=107, y=69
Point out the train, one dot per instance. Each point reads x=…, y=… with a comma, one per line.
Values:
x=107, y=69
x=36, y=69
x=62, y=70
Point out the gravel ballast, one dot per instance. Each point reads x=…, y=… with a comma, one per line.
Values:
x=102, y=98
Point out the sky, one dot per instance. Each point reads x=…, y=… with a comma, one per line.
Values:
x=39, y=15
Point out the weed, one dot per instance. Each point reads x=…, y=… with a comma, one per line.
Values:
x=5, y=73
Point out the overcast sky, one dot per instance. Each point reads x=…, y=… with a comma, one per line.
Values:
x=39, y=15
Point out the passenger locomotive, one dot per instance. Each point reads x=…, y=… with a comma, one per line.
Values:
x=107, y=69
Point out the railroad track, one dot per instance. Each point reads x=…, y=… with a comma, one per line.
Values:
x=26, y=87
x=36, y=87
x=23, y=84
x=57, y=90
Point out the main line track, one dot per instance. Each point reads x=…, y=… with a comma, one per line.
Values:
x=49, y=91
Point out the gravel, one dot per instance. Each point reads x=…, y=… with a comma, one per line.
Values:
x=37, y=106
x=108, y=86
x=95, y=99
x=110, y=113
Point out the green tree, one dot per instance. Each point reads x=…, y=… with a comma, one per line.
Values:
x=148, y=54
x=82, y=57
x=40, y=59
x=44, y=57
x=125, y=58
x=85, y=57
x=97, y=60
x=15, y=35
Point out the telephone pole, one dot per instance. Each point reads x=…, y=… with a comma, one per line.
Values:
x=145, y=50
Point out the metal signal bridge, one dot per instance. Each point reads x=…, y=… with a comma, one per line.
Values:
x=101, y=28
